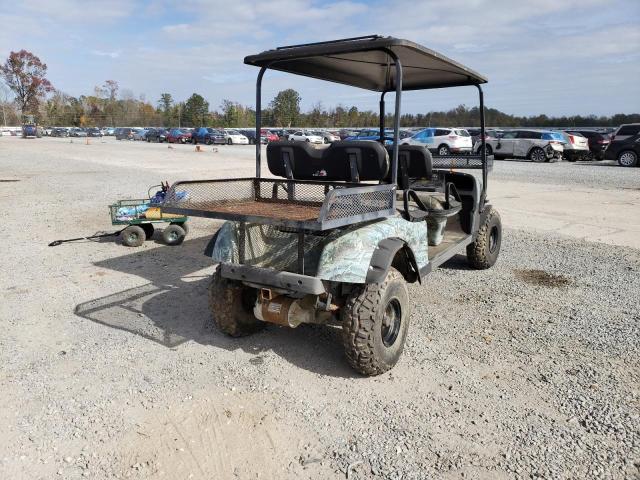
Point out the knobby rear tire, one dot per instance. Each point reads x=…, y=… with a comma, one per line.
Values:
x=363, y=331
x=231, y=305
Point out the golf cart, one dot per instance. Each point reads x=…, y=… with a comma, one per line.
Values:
x=337, y=232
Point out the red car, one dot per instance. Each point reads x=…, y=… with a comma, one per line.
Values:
x=176, y=135
x=269, y=135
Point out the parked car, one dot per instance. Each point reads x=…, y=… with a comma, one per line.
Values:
x=576, y=147
x=625, y=151
x=305, y=136
x=327, y=137
x=268, y=135
x=124, y=134
x=59, y=132
x=77, y=132
x=93, y=132
x=442, y=141
x=598, y=142
x=250, y=133
x=346, y=133
x=207, y=136
x=234, y=137
x=157, y=135
x=489, y=133
x=177, y=135
x=536, y=145
x=369, y=134
x=620, y=143
x=138, y=134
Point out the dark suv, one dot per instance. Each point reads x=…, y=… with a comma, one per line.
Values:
x=124, y=133
x=598, y=142
x=625, y=145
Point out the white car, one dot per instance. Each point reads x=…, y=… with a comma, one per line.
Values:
x=234, y=137
x=576, y=147
x=535, y=145
x=442, y=141
x=305, y=136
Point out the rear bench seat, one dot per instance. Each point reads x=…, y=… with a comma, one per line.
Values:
x=341, y=162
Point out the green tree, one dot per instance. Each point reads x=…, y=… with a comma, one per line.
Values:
x=165, y=105
x=196, y=109
x=286, y=107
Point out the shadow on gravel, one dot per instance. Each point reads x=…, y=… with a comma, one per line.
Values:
x=457, y=262
x=173, y=309
x=597, y=163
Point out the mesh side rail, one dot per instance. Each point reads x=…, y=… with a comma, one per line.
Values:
x=460, y=161
x=302, y=204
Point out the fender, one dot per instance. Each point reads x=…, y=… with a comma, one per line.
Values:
x=383, y=257
x=350, y=256
x=208, y=250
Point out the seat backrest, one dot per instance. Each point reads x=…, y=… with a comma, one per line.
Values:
x=356, y=161
x=342, y=161
x=294, y=160
x=414, y=161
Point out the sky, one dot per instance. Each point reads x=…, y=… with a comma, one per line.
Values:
x=558, y=57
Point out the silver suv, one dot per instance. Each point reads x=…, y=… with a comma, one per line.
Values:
x=536, y=145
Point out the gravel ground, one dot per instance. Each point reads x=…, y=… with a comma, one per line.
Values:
x=527, y=370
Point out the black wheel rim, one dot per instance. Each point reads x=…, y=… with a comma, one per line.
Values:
x=391, y=321
x=493, y=239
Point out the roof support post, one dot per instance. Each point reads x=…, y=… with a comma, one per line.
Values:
x=382, y=114
x=483, y=150
x=396, y=118
x=259, y=119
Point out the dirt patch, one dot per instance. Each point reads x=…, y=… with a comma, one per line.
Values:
x=542, y=278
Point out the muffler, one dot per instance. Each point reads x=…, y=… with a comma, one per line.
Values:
x=287, y=311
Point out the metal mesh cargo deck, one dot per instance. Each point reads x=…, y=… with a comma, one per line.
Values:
x=310, y=205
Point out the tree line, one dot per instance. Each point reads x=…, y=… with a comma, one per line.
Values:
x=25, y=76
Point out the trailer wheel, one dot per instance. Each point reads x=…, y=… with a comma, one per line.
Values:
x=375, y=321
x=183, y=225
x=173, y=235
x=483, y=253
x=231, y=305
x=133, y=236
x=148, y=229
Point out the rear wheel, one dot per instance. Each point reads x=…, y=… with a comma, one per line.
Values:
x=443, y=150
x=231, y=304
x=173, y=235
x=537, y=155
x=375, y=321
x=628, y=158
x=133, y=236
x=483, y=252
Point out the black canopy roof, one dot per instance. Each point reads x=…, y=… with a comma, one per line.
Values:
x=365, y=62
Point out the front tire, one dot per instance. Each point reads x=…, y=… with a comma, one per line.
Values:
x=375, y=321
x=229, y=142
x=443, y=150
x=133, y=236
x=231, y=305
x=483, y=252
x=628, y=158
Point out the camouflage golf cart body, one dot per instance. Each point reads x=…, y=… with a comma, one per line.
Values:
x=336, y=232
